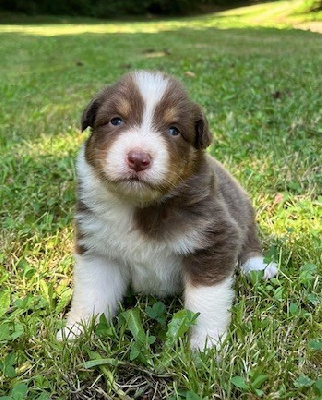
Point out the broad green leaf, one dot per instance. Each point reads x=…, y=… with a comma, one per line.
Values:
x=180, y=324
x=258, y=381
x=318, y=387
x=100, y=361
x=43, y=396
x=192, y=396
x=279, y=294
x=103, y=320
x=102, y=329
x=139, y=352
x=157, y=312
x=5, y=331
x=151, y=339
x=310, y=268
x=133, y=320
x=18, y=331
x=255, y=276
x=94, y=355
x=19, y=391
x=4, y=302
x=159, y=307
x=135, y=352
x=303, y=381
x=26, y=303
x=64, y=299
x=259, y=392
x=315, y=344
x=8, y=368
x=294, y=309
x=239, y=382
x=307, y=274
x=28, y=271
x=314, y=299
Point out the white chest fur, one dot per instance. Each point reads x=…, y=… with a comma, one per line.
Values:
x=154, y=268
x=108, y=231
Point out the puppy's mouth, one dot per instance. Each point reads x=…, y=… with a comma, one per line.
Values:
x=135, y=182
x=134, y=179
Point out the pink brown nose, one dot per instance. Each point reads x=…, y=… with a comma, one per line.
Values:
x=138, y=160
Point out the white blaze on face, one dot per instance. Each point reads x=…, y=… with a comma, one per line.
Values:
x=143, y=138
x=152, y=87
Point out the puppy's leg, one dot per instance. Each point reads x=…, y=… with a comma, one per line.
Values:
x=213, y=303
x=208, y=281
x=99, y=285
x=251, y=258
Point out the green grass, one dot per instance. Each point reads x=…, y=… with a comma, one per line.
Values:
x=261, y=90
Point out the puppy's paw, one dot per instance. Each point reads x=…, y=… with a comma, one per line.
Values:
x=70, y=332
x=270, y=270
x=257, y=264
x=201, y=340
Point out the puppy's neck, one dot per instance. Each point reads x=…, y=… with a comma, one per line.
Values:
x=180, y=209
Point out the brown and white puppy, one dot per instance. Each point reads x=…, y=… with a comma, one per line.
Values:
x=155, y=211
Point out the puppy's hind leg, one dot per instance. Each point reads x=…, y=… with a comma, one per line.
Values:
x=99, y=285
x=256, y=263
x=251, y=257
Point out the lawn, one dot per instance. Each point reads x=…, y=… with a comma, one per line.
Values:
x=260, y=87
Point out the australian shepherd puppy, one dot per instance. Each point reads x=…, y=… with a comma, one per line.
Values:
x=155, y=211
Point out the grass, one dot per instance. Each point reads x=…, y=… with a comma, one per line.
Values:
x=261, y=90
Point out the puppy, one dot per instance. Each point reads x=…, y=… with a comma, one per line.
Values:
x=155, y=211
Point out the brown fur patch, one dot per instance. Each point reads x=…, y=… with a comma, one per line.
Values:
x=81, y=208
x=213, y=203
x=121, y=100
x=195, y=204
x=78, y=247
x=125, y=108
x=251, y=246
x=217, y=261
x=176, y=109
x=170, y=115
x=183, y=207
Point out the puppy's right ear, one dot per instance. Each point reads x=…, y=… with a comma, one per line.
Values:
x=89, y=114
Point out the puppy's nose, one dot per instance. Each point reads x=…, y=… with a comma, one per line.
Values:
x=138, y=160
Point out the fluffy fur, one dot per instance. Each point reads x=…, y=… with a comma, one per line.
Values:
x=154, y=211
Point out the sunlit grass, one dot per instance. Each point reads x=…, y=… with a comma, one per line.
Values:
x=272, y=14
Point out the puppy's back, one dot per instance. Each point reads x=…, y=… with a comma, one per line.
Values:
x=234, y=197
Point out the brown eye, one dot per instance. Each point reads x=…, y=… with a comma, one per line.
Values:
x=174, y=131
x=116, y=121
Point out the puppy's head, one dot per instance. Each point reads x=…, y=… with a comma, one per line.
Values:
x=146, y=135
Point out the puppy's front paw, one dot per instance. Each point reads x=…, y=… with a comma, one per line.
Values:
x=201, y=340
x=70, y=332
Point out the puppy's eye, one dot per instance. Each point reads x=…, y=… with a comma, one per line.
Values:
x=116, y=121
x=173, y=131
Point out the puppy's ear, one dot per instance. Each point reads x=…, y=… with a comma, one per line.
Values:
x=89, y=114
x=203, y=136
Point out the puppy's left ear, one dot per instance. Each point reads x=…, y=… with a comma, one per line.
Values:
x=203, y=136
x=89, y=114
